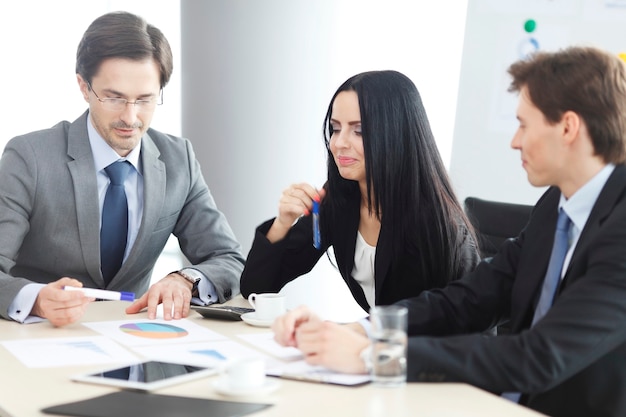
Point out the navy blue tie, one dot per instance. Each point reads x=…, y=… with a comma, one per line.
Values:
x=553, y=274
x=114, y=229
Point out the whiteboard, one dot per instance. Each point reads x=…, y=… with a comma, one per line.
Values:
x=498, y=33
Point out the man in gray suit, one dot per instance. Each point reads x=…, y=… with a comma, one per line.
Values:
x=55, y=209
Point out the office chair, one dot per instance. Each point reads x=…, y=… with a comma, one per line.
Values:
x=495, y=221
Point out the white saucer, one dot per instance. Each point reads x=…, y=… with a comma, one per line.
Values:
x=222, y=386
x=251, y=319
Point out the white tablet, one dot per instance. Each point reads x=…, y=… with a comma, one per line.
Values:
x=146, y=376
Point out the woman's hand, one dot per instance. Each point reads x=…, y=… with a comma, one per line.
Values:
x=296, y=201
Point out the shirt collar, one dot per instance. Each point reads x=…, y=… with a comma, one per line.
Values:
x=104, y=155
x=579, y=205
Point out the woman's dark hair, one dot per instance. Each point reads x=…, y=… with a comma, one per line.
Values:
x=408, y=187
x=122, y=35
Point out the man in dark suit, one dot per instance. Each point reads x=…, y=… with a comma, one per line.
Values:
x=60, y=226
x=566, y=354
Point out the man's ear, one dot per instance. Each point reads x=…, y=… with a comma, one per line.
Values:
x=571, y=123
x=83, y=86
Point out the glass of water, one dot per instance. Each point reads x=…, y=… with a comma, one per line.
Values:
x=389, y=340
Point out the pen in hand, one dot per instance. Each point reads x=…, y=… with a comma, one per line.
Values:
x=316, y=225
x=103, y=294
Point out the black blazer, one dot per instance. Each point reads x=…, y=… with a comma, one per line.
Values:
x=573, y=361
x=270, y=266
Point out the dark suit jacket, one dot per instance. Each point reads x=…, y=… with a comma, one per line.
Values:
x=573, y=361
x=50, y=218
x=270, y=266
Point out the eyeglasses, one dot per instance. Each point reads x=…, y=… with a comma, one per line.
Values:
x=119, y=104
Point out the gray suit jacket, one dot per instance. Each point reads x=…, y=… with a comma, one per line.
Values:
x=50, y=220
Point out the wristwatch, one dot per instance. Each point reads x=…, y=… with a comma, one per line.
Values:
x=194, y=280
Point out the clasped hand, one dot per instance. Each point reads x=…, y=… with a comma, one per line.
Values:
x=324, y=343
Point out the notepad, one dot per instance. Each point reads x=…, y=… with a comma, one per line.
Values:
x=302, y=371
x=132, y=403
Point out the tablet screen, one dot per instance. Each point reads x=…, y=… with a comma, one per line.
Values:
x=146, y=375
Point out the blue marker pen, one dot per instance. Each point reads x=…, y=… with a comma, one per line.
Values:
x=317, y=242
x=103, y=294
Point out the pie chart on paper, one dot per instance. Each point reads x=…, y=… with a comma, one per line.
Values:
x=153, y=330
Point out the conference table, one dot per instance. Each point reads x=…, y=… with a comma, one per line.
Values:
x=24, y=390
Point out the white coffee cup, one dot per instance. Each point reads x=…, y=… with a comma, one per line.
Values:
x=245, y=374
x=267, y=306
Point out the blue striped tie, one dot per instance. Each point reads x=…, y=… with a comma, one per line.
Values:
x=114, y=229
x=553, y=274
x=552, y=278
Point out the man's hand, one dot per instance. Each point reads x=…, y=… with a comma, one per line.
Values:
x=335, y=346
x=332, y=345
x=173, y=291
x=284, y=327
x=58, y=306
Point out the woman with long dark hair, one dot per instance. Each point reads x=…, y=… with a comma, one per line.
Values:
x=387, y=209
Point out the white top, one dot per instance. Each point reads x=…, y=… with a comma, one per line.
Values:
x=363, y=271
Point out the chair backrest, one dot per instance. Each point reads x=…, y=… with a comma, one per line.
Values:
x=495, y=221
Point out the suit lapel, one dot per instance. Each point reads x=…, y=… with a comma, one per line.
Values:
x=347, y=237
x=382, y=261
x=540, y=235
x=154, y=186
x=610, y=194
x=82, y=170
x=537, y=246
x=345, y=245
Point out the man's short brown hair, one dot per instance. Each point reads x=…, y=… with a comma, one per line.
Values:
x=585, y=80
